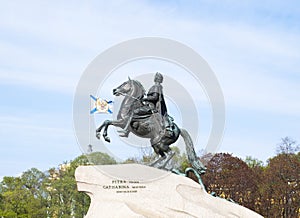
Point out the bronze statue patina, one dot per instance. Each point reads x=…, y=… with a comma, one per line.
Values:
x=147, y=117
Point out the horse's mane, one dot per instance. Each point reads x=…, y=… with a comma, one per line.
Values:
x=140, y=84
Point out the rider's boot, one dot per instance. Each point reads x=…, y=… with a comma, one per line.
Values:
x=169, y=131
x=168, y=124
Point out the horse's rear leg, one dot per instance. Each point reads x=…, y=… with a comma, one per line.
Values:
x=170, y=155
x=166, y=154
x=157, y=161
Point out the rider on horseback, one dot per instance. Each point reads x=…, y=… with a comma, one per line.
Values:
x=147, y=117
x=153, y=103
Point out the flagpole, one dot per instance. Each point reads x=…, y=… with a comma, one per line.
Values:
x=90, y=137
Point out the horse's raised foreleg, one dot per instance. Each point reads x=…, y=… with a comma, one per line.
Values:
x=105, y=125
x=98, y=131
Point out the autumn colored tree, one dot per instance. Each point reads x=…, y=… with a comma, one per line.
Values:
x=231, y=178
x=281, y=187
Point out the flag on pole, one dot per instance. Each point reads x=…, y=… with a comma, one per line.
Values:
x=100, y=106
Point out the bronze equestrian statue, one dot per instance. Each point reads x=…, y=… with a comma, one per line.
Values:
x=147, y=117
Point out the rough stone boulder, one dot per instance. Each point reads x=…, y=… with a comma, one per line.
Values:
x=132, y=190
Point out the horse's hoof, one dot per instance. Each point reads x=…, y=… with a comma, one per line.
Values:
x=98, y=136
x=107, y=139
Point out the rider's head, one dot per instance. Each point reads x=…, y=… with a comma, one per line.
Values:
x=158, y=78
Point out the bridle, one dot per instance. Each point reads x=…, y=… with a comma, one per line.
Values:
x=125, y=94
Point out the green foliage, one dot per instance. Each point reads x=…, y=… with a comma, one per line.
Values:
x=98, y=158
x=179, y=161
x=131, y=160
x=253, y=162
x=23, y=196
x=52, y=194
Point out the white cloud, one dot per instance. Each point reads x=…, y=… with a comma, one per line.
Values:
x=85, y=29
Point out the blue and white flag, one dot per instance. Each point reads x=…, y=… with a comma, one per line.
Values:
x=100, y=106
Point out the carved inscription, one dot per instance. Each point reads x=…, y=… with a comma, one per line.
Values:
x=124, y=186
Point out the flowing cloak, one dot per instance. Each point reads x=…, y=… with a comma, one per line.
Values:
x=159, y=102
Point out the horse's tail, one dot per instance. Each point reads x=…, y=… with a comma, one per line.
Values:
x=190, y=152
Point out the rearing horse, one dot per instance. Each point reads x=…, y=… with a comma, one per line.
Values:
x=148, y=126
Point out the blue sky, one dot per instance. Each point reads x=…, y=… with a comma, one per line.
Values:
x=252, y=46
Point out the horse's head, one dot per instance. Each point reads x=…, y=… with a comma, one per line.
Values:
x=124, y=88
x=130, y=87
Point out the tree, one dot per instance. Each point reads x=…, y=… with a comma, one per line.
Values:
x=62, y=196
x=253, y=162
x=99, y=158
x=10, y=188
x=231, y=178
x=52, y=194
x=287, y=146
x=281, y=189
x=23, y=196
